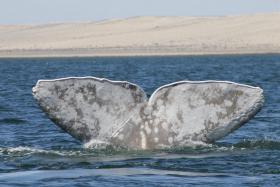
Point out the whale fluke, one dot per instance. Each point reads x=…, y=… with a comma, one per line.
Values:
x=104, y=112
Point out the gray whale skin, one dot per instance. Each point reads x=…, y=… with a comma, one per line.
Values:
x=101, y=112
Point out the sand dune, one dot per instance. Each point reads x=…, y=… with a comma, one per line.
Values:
x=145, y=36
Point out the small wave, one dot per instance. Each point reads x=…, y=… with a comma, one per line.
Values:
x=218, y=147
x=110, y=151
x=117, y=172
x=12, y=121
x=258, y=144
x=23, y=151
x=4, y=109
x=222, y=148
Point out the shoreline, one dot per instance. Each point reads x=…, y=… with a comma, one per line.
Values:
x=124, y=53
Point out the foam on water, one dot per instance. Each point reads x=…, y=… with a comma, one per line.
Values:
x=196, y=148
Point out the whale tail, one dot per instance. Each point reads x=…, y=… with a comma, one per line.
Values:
x=99, y=111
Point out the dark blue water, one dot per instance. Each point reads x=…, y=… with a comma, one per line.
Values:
x=34, y=152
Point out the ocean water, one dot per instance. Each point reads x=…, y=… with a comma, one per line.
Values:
x=35, y=152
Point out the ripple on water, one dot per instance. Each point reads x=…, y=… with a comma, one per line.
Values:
x=4, y=109
x=197, y=149
x=14, y=121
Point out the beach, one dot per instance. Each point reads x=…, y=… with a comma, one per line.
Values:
x=145, y=36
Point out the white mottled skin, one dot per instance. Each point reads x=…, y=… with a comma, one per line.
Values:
x=111, y=116
x=181, y=98
x=103, y=112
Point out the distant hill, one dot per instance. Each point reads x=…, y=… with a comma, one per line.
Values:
x=145, y=36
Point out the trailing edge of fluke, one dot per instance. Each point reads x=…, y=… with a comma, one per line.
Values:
x=101, y=112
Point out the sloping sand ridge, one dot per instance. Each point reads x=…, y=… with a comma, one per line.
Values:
x=145, y=36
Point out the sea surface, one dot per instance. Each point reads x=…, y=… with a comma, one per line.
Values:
x=35, y=152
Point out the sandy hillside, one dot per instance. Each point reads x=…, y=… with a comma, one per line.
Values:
x=145, y=35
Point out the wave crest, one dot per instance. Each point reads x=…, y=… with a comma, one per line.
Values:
x=110, y=151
